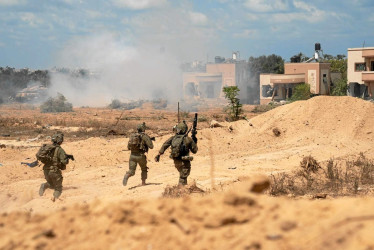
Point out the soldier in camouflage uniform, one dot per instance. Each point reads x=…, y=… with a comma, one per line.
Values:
x=52, y=170
x=182, y=162
x=137, y=155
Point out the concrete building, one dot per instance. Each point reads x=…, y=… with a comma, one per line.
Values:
x=360, y=72
x=277, y=87
x=221, y=73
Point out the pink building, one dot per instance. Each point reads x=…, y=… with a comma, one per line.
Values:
x=209, y=84
x=360, y=72
x=277, y=87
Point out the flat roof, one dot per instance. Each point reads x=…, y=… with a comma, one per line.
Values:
x=364, y=48
x=307, y=63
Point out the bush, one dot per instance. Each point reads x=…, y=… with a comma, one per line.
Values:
x=235, y=108
x=57, y=104
x=301, y=92
x=339, y=88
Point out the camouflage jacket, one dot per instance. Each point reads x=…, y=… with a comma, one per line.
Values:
x=145, y=144
x=59, y=159
x=190, y=145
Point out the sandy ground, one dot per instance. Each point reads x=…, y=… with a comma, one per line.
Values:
x=96, y=211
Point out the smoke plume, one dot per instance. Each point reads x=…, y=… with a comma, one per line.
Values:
x=141, y=64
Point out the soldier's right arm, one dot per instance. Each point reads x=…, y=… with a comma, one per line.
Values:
x=61, y=155
x=165, y=146
x=148, y=141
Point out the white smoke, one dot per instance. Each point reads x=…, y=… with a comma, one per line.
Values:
x=143, y=65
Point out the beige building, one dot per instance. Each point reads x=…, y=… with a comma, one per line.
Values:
x=209, y=84
x=279, y=87
x=360, y=72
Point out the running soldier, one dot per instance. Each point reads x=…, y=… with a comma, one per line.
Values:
x=181, y=145
x=55, y=159
x=139, y=143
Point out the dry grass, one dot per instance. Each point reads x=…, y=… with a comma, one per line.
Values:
x=335, y=178
x=25, y=121
x=178, y=191
x=264, y=108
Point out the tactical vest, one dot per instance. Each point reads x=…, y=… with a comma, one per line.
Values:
x=178, y=146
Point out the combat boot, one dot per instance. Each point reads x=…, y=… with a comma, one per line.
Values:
x=143, y=183
x=42, y=188
x=125, y=179
x=56, y=195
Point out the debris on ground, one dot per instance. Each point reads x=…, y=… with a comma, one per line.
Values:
x=215, y=124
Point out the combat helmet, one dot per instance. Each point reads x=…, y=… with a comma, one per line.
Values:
x=141, y=127
x=58, y=138
x=181, y=128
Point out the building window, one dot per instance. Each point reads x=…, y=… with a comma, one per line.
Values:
x=360, y=67
x=267, y=91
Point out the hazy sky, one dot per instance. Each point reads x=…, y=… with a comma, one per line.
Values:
x=40, y=34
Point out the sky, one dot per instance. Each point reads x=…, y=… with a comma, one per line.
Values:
x=41, y=34
x=136, y=47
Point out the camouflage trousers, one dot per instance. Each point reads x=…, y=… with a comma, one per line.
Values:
x=184, y=169
x=54, y=179
x=136, y=159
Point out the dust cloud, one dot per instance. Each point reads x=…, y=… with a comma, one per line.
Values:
x=141, y=63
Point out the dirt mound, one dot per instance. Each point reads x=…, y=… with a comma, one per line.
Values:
x=328, y=116
x=236, y=219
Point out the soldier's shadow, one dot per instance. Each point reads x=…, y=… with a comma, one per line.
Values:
x=70, y=187
x=147, y=184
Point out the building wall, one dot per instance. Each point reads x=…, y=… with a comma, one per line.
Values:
x=233, y=74
x=354, y=56
x=226, y=69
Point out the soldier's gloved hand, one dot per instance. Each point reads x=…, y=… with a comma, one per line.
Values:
x=194, y=139
x=157, y=158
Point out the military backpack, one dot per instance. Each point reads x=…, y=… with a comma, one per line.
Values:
x=135, y=142
x=45, y=153
x=178, y=146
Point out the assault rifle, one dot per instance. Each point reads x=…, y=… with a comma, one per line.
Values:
x=71, y=157
x=194, y=132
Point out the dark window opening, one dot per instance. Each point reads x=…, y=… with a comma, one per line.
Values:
x=372, y=66
x=360, y=67
x=267, y=91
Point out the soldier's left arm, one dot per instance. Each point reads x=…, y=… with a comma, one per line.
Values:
x=192, y=145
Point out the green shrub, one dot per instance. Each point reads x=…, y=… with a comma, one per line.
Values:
x=301, y=92
x=234, y=108
x=57, y=104
x=339, y=88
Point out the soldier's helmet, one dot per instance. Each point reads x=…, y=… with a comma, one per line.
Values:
x=58, y=138
x=181, y=128
x=141, y=127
